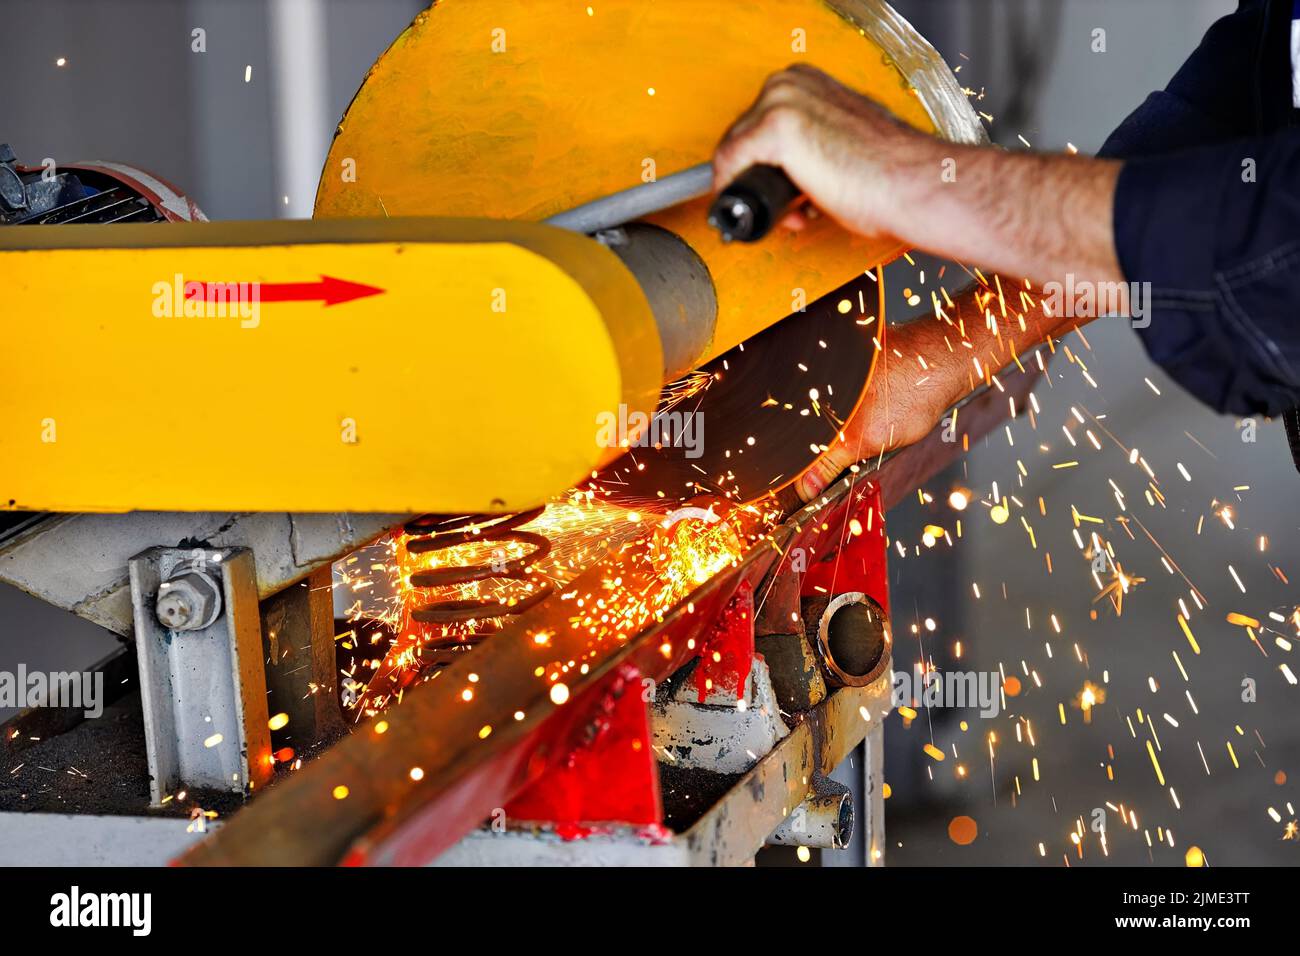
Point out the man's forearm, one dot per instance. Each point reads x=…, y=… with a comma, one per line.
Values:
x=1035, y=217
x=1022, y=214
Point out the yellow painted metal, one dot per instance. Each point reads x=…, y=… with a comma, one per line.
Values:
x=523, y=110
x=107, y=404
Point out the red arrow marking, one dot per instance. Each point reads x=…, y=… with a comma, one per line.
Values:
x=329, y=291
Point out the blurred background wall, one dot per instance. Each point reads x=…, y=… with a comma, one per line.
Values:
x=243, y=128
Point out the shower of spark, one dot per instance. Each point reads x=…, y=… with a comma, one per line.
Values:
x=392, y=650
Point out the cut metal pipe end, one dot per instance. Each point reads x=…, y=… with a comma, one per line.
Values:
x=824, y=820
x=851, y=637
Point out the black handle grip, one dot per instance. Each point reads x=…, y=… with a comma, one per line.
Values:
x=755, y=201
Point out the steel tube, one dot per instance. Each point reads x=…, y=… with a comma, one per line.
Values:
x=635, y=202
x=824, y=819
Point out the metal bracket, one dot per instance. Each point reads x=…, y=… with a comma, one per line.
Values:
x=202, y=681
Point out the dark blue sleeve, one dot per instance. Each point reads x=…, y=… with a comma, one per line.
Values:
x=1221, y=249
x=1210, y=217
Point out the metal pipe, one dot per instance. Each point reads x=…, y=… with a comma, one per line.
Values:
x=824, y=820
x=637, y=201
x=300, y=68
x=849, y=636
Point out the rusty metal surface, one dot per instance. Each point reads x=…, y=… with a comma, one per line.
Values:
x=301, y=670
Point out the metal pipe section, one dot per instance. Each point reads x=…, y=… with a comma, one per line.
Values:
x=637, y=201
x=824, y=820
x=302, y=122
x=850, y=637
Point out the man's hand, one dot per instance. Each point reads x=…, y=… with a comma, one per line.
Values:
x=847, y=154
x=1030, y=215
x=849, y=157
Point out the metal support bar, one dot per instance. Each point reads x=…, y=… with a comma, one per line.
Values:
x=637, y=201
x=202, y=685
x=301, y=676
x=872, y=823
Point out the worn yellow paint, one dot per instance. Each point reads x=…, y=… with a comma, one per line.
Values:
x=456, y=407
x=523, y=110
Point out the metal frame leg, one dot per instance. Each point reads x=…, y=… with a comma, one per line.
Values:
x=202, y=681
x=301, y=674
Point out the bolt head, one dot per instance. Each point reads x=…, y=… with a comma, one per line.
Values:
x=174, y=609
x=190, y=601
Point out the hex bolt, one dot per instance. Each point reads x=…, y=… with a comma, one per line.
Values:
x=188, y=601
